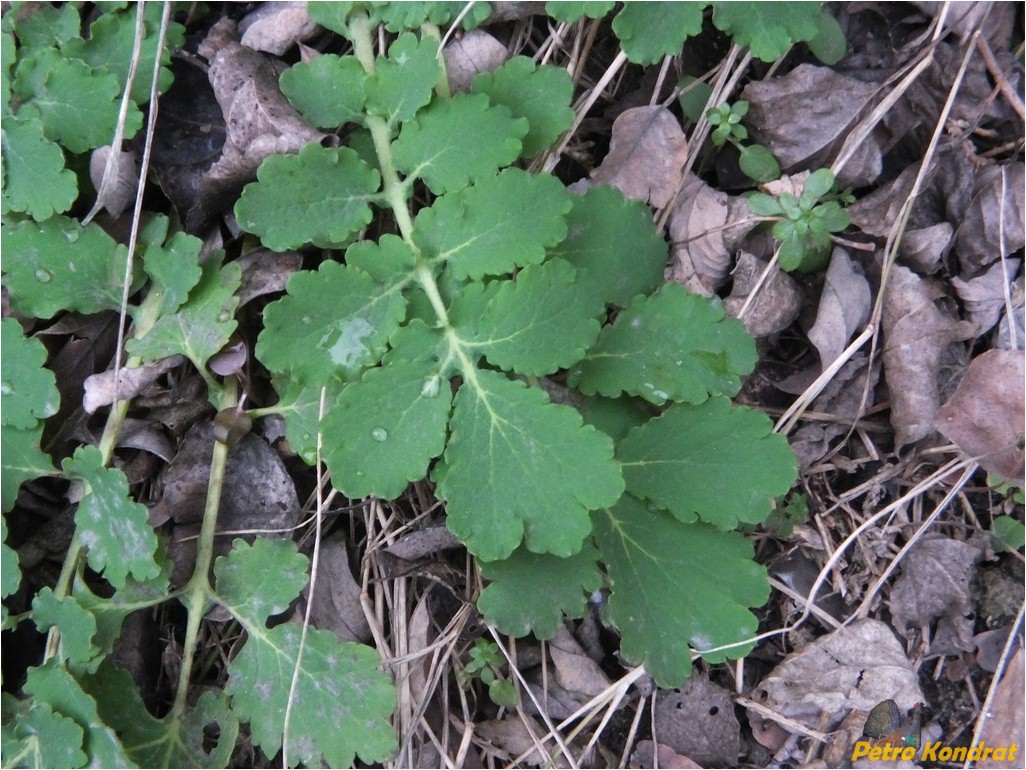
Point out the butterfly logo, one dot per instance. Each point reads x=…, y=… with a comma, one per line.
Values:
x=888, y=726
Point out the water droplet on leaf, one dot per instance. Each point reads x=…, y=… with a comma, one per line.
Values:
x=6, y=388
x=430, y=387
x=43, y=276
x=224, y=316
x=379, y=434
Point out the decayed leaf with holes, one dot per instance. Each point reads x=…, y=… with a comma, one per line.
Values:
x=853, y=667
x=646, y=155
x=697, y=720
x=994, y=214
x=985, y=415
x=777, y=303
x=915, y=334
x=843, y=307
x=803, y=116
x=936, y=584
x=984, y=296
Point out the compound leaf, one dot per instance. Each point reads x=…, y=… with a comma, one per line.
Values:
x=502, y=222
x=404, y=82
x=320, y=196
x=22, y=460
x=675, y=585
x=613, y=245
x=711, y=460
x=200, y=327
x=35, y=180
x=328, y=90
x=520, y=468
x=530, y=592
x=114, y=528
x=670, y=346
x=534, y=325
x=769, y=30
x=174, y=269
x=388, y=260
x=28, y=392
x=540, y=94
x=386, y=428
x=332, y=322
x=339, y=684
x=60, y=265
x=453, y=142
x=650, y=31
x=39, y=737
x=76, y=623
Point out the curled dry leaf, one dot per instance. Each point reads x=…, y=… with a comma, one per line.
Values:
x=697, y=720
x=854, y=667
x=936, y=584
x=985, y=414
x=100, y=389
x=804, y=116
x=915, y=334
x=1004, y=722
x=994, y=224
x=843, y=307
x=336, y=603
x=646, y=156
x=985, y=295
x=266, y=272
x=115, y=176
x=575, y=671
x=703, y=242
x=276, y=27
x=777, y=303
x=470, y=55
x=423, y=542
x=925, y=248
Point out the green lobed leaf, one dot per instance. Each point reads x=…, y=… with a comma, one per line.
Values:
x=77, y=105
x=43, y=25
x=453, y=142
x=8, y=56
x=710, y=461
x=533, y=325
x=399, y=16
x=388, y=260
x=21, y=460
x=331, y=15
x=542, y=94
x=35, y=180
x=670, y=346
x=614, y=416
x=675, y=585
x=77, y=625
x=572, y=11
x=520, y=468
x=28, y=392
x=258, y=580
x=168, y=742
x=174, y=269
x=386, y=428
x=328, y=90
x=300, y=405
x=650, y=31
x=59, y=265
x=113, y=527
x=530, y=592
x=320, y=196
x=502, y=222
x=332, y=322
x=405, y=81
x=54, y=685
x=829, y=45
x=10, y=570
x=614, y=246
x=35, y=736
x=200, y=327
x=768, y=29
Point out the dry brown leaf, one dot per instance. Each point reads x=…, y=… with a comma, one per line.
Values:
x=994, y=214
x=646, y=155
x=266, y=272
x=101, y=391
x=276, y=27
x=915, y=334
x=144, y=435
x=985, y=414
x=843, y=307
x=777, y=304
x=936, y=584
x=984, y=295
x=697, y=720
x=575, y=671
x=854, y=667
x=336, y=603
x=470, y=55
x=116, y=189
x=804, y=116
x=664, y=756
x=514, y=737
x=1004, y=723
x=423, y=542
x=924, y=249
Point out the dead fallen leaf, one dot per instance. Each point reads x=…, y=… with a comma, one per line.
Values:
x=468, y=56
x=101, y=391
x=984, y=296
x=995, y=214
x=936, y=584
x=336, y=601
x=276, y=27
x=854, y=667
x=804, y=116
x=915, y=334
x=924, y=249
x=985, y=414
x=423, y=542
x=777, y=304
x=575, y=671
x=518, y=734
x=115, y=188
x=664, y=756
x=1004, y=723
x=646, y=155
x=145, y=435
x=266, y=272
x=843, y=307
x=697, y=720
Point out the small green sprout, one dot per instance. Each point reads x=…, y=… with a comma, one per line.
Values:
x=486, y=664
x=755, y=160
